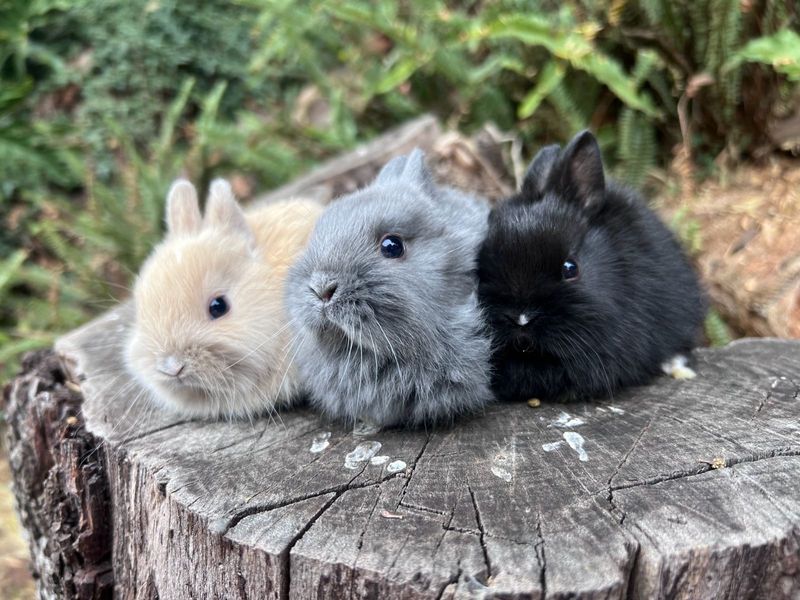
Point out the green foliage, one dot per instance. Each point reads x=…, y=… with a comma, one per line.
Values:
x=780, y=50
x=104, y=102
x=717, y=331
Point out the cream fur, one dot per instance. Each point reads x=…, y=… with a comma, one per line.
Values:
x=239, y=364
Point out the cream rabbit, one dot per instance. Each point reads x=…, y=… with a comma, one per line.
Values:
x=210, y=337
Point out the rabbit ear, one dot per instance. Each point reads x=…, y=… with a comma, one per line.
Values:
x=410, y=169
x=223, y=211
x=533, y=184
x=579, y=175
x=183, y=210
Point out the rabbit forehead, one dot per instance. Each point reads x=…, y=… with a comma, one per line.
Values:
x=176, y=283
x=381, y=209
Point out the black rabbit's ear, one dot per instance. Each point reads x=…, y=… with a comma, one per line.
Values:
x=409, y=169
x=533, y=184
x=580, y=172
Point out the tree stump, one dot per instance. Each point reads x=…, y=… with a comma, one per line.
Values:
x=680, y=489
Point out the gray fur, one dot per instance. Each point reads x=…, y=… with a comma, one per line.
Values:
x=403, y=342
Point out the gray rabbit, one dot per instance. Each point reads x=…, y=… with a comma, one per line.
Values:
x=384, y=304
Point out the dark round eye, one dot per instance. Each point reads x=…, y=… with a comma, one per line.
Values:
x=218, y=307
x=392, y=246
x=569, y=270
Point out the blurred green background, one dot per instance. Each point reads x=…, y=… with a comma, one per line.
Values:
x=104, y=102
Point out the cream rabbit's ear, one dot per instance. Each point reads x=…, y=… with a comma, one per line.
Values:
x=183, y=210
x=223, y=211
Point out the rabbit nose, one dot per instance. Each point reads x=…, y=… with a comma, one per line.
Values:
x=521, y=319
x=169, y=365
x=324, y=291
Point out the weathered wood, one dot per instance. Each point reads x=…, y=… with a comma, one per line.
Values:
x=474, y=164
x=59, y=483
x=689, y=490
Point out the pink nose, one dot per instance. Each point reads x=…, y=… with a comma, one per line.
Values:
x=169, y=365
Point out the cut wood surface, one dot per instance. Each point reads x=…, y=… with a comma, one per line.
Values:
x=682, y=489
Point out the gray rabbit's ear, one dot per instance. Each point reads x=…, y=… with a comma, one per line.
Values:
x=535, y=180
x=223, y=211
x=579, y=175
x=409, y=169
x=183, y=210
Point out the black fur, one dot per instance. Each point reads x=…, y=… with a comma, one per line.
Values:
x=636, y=303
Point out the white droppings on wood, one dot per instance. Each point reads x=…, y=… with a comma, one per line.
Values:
x=576, y=441
x=567, y=421
x=320, y=442
x=503, y=465
x=501, y=473
x=379, y=460
x=396, y=466
x=616, y=410
x=552, y=446
x=361, y=454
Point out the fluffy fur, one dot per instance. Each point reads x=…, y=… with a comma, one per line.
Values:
x=401, y=341
x=236, y=365
x=635, y=303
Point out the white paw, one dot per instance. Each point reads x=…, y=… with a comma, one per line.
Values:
x=677, y=367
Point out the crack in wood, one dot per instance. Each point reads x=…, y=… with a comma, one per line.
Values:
x=541, y=557
x=482, y=535
x=705, y=468
x=360, y=543
x=286, y=554
x=452, y=581
x=237, y=517
x=412, y=469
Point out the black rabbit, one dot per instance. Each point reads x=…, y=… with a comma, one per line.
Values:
x=586, y=290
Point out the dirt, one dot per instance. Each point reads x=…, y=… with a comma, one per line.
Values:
x=744, y=228
x=15, y=578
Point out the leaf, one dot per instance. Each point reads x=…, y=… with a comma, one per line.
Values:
x=398, y=74
x=574, y=47
x=9, y=268
x=780, y=50
x=549, y=78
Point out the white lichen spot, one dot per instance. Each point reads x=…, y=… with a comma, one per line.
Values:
x=616, y=411
x=365, y=428
x=553, y=446
x=379, y=460
x=576, y=441
x=567, y=421
x=361, y=454
x=320, y=442
x=396, y=466
x=677, y=367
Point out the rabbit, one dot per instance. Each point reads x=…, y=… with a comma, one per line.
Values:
x=585, y=289
x=210, y=332
x=384, y=302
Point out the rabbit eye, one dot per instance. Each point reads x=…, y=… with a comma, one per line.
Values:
x=569, y=270
x=218, y=307
x=392, y=246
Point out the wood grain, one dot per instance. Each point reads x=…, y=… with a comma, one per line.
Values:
x=243, y=510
